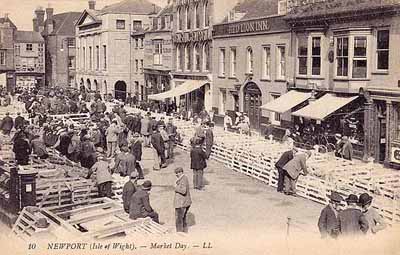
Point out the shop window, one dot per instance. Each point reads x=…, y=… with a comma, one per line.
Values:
x=120, y=24
x=382, y=50
x=250, y=60
x=266, y=71
x=222, y=62
x=316, y=56
x=233, y=62
x=302, y=46
x=281, y=70
x=360, y=57
x=342, y=56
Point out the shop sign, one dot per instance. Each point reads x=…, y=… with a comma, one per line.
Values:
x=193, y=36
x=395, y=157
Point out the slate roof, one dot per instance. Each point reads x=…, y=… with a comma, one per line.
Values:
x=28, y=36
x=64, y=23
x=256, y=8
x=132, y=7
x=3, y=20
x=167, y=10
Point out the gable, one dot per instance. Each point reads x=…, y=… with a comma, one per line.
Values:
x=86, y=18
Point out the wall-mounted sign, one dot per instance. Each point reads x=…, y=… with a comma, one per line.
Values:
x=395, y=157
x=193, y=36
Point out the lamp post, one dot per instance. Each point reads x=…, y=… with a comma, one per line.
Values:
x=67, y=51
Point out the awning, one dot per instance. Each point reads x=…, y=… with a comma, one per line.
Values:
x=184, y=88
x=287, y=101
x=323, y=107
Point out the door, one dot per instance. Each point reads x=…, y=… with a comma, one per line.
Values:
x=252, y=103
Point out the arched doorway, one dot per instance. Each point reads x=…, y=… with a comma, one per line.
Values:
x=96, y=86
x=120, y=90
x=252, y=100
x=88, y=84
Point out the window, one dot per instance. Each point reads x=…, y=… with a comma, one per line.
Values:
x=360, y=57
x=136, y=65
x=157, y=55
x=206, y=16
x=188, y=58
x=141, y=43
x=2, y=58
x=342, y=56
x=382, y=50
x=137, y=25
x=29, y=47
x=281, y=62
x=90, y=58
x=222, y=62
x=105, y=57
x=136, y=43
x=206, y=57
x=120, y=24
x=197, y=63
x=250, y=60
x=178, y=58
x=180, y=18
x=196, y=17
x=141, y=66
x=71, y=42
x=233, y=62
x=302, y=47
x=97, y=57
x=316, y=56
x=187, y=18
x=71, y=61
x=266, y=71
x=275, y=117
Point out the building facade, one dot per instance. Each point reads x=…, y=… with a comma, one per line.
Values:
x=158, y=53
x=137, y=72
x=104, y=45
x=29, y=57
x=348, y=50
x=59, y=36
x=7, y=35
x=251, y=62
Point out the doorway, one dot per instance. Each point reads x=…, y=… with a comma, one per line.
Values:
x=120, y=90
x=251, y=104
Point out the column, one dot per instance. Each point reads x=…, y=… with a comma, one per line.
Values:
x=390, y=130
x=368, y=129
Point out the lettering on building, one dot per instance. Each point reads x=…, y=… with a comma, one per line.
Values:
x=193, y=36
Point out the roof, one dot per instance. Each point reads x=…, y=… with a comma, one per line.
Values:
x=167, y=10
x=339, y=6
x=256, y=8
x=28, y=36
x=132, y=7
x=64, y=23
x=3, y=20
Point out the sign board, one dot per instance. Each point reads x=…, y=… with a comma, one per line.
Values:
x=395, y=157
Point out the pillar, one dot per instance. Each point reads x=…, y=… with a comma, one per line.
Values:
x=368, y=129
x=390, y=130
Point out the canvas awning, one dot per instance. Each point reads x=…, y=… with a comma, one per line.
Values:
x=287, y=101
x=184, y=88
x=323, y=107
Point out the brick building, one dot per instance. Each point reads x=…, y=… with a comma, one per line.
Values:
x=7, y=34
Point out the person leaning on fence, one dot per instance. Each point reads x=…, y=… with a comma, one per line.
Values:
x=376, y=222
x=129, y=188
x=182, y=200
x=293, y=169
x=283, y=160
x=198, y=163
x=139, y=205
x=328, y=222
x=352, y=222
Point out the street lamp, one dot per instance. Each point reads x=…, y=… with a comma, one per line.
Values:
x=67, y=51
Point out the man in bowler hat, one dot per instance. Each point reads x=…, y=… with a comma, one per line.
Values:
x=328, y=223
x=139, y=206
x=352, y=222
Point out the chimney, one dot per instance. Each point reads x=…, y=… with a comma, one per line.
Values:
x=92, y=4
x=49, y=22
x=49, y=13
x=35, y=25
x=40, y=18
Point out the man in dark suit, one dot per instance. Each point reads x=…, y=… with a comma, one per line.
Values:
x=158, y=145
x=7, y=124
x=328, y=223
x=182, y=200
x=139, y=206
x=209, y=138
x=129, y=188
x=352, y=222
x=294, y=168
x=283, y=160
x=198, y=162
x=136, y=150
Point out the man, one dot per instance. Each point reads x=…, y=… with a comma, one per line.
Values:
x=7, y=124
x=182, y=200
x=376, y=222
x=293, y=169
x=352, y=222
x=19, y=121
x=165, y=138
x=88, y=152
x=283, y=160
x=39, y=148
x=209, y=138
x=125, y=162
x=328, y=222
x=129, y=188
x=103, y=176
x=112, y=138
x=145, y=129
x=158, y=149
x=139, y=205
x=136, y=150
x=347, y=148
x=198, y=163
x=21, y=148
x=227, y=122
x=171, y=130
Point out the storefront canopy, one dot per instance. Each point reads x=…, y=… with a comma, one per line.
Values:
x=287, y=101
x=323, y=107
x=184, y=88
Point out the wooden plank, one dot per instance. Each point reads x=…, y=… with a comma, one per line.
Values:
x=95, y=216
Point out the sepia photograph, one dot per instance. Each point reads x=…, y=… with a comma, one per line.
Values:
x=199, y=127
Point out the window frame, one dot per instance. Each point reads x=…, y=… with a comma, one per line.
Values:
x=179, y=58
x=312, y=56
x=380, y=50
x=266, y=64
x=3, y=57
x=276, y=118
x=206, y=15
x=206, y=60
x=27, y=48
x=233, y=62
x=158, y=52
x=196, y=56
x=281, y=73
x=249, y=60
x=222, y=62
x=120, y=24
x=342, y=37
x=359, y=58
x=104, y=57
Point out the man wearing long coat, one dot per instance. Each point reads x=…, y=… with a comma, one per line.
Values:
x=182, y=200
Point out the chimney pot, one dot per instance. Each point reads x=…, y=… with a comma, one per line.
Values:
x=49, y=13
x=92, y=4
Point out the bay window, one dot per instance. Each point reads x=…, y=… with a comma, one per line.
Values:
x=316, y=56
x=266, y=71
x=360, y=57
x=157, y=55
x=342, y=56
x=382, y=50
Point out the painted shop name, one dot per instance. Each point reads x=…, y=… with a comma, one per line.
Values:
x=248, y=27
